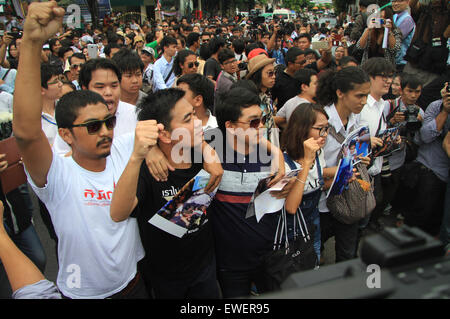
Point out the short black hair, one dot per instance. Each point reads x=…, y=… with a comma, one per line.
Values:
x=215, y=44
x=92, y=65
x=205, y=54
x=158, y=106
x=230, y=105
x=304, y=35
x=167, y=40
x=346, y=60
x=66, y=110
x=127, y=60
x=238, y=45
x=63, y=50
x=192, y=38
x=225, y=54
x=47, y=72
x=292, y=54
x=200, y=85
x=78, y=55
x=412, y=81
x=303, y=76
x=111, y=45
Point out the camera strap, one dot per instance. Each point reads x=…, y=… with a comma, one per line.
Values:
x=6, y=74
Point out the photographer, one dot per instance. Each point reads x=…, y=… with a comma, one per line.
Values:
x=371, y=41
x=427, y=197
x=402, y=112
x=275, y=47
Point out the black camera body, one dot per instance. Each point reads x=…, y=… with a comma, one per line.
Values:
x=15, y=35
x=242, y=66
x=411, y=113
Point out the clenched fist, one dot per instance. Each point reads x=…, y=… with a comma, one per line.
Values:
x=44, y=19
x=147, y=133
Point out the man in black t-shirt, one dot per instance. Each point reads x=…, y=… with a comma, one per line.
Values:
x=212, y=65
x=176, y=267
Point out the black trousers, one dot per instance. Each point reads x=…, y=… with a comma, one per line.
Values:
x=346, y=236
x=426, y=202
x=378, y=192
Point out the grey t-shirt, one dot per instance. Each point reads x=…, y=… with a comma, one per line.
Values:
x=290, y=107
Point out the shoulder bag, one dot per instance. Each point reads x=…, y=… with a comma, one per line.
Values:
x=357, y=201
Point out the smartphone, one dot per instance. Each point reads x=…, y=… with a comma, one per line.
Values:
x=318, y=45
x=92, y=51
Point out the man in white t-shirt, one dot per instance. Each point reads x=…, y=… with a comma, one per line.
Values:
x=103, y=77
x=97, y=257
x=51, y=90
x=307, y=81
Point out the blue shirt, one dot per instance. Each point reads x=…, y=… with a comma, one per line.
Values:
x=10, y=80
x=430, y=153
x=161, y=69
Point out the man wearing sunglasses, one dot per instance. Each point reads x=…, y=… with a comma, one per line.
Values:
x=103, y=77
x=76, y=61
x=97, y=258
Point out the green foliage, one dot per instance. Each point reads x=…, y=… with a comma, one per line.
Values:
x=297, y=5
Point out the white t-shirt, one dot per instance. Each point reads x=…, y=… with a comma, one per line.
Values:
x=312, y=181
x=290, y=106
x=97, y=257
x=126, y=122
x=49, y=127
x=6, y=102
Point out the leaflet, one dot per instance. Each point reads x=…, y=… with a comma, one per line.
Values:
x=186, y=212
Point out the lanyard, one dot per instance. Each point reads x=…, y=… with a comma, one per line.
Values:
x=54, y=123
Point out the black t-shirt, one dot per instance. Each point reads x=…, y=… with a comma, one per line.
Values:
x=167, y=254
x=212, y=68
x=285, y=88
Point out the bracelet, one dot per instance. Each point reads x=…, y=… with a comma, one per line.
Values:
x=303, y=182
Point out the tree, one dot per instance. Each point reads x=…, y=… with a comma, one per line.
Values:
x=296, y=5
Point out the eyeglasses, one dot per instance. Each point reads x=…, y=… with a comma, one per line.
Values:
x=191, y=64
x=271, y=74
x=60, y=78
x=165, y=26
x=94, y=126
x=76, y=66
x=228, y=62
x=322, y=130
x=385, y=77
x=255, y=122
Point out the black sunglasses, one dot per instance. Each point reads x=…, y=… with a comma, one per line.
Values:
x=191, y=64
x=255, y=122
x=95, y=126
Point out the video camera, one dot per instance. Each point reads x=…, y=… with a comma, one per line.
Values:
x=402, y=262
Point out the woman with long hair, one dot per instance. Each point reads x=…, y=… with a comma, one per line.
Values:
x=262, y=72
x=344, y=94
x=371, y=40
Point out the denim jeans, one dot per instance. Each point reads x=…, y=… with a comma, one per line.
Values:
x=29, y=243
x=312, y=217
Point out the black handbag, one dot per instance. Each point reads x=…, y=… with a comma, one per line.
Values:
x=287, y=257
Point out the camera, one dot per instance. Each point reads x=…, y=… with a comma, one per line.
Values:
x=411, y=113
x=15, y=35
x=242, y=66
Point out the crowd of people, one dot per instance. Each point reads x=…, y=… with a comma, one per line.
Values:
x=237, y=91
